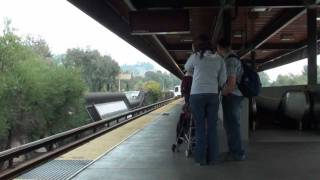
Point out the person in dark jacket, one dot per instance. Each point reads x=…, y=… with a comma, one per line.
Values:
x=186, y=86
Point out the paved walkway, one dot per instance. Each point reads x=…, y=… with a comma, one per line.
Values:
x=147, y=156
x=66, y=165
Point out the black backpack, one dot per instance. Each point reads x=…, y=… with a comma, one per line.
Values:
x=250, y=84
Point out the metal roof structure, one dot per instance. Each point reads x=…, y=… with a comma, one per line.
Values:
x=268, y=33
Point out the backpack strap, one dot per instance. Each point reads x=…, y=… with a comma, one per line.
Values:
x=232, y=55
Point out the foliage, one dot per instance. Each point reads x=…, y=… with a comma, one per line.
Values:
x=265, y=80
x=290, y=79
x=305, y=72
x=287, y=80
x=153, y=88
x=138, y=69
x=35, y=94
x=39, y=46
x=99, y=72
x=167, y=81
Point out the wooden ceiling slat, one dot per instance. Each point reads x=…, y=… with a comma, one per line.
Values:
x=286, y=18
x=152, y=4
x=257, y=28
x=160, y=22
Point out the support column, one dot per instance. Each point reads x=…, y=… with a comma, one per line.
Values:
x=227, y=25
x=253, y=60
x=312, y=45
x=252, y=101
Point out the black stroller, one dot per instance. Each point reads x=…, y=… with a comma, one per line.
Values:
x=185, y=131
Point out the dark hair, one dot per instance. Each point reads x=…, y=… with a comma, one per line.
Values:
x=224, y=43
x=203, y=44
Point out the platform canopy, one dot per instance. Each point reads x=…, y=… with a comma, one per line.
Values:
x=269, y=33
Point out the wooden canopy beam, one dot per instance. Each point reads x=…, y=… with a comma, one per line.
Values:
x=273, y=28
x=296, y=55
x=284, y=59
x=169, y=4
x=274, y=46
x=159, y=22
x=187, y=47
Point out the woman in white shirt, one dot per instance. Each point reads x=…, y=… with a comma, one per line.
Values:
x=209, y=76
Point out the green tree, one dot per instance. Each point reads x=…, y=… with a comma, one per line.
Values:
x=136, y=83
x=265, y=79
x=39, y=46
x=305, y=72
x=154, y=76
x=167, y=81
x=35, y=95
x=291, y=79
x=97, y=71
x=11, y=54
x=294, y=79
x=153, y=88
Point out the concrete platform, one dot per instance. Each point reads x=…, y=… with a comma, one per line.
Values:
x=147, y=156
x=64, y=166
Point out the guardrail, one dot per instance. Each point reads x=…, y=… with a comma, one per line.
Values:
x=74, y=135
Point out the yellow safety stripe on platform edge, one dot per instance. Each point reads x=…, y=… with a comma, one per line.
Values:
x=96, y=147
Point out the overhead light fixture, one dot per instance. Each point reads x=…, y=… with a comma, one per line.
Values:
x=318, y=18
x=286, y=37
x=259, y=9
x=186, y=40
x=237, y=34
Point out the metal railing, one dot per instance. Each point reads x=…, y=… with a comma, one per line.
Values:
x=75, y=138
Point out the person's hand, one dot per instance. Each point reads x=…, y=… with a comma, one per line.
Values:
x=225, y=93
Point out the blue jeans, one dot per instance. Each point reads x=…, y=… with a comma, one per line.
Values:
x=204, y=109
x=231, y=114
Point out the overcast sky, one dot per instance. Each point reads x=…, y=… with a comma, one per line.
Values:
x=64, y=26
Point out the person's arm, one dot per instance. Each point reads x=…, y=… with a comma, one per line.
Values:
x=231, y=84
x=222, y=76
x=189, y=66
x=183, y=84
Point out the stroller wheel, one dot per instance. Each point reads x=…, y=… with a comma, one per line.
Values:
x=173, y=148
x=187, y=153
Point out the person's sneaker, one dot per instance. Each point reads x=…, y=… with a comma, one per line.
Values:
x=217, y=162
x=231, y=157
x=201, y=164
x=243, y=157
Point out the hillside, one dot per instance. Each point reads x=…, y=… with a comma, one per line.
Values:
x=138, y=69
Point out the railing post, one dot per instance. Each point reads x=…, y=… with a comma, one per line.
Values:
x=50, y=147
x=77, y=136
x=312, y=45
x=10, y=165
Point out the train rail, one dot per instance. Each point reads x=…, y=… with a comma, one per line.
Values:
x=65, y=141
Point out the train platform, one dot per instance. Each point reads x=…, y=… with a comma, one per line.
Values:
x=143, y=152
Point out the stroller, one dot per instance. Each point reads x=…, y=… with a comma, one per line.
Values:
x=185, y=131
